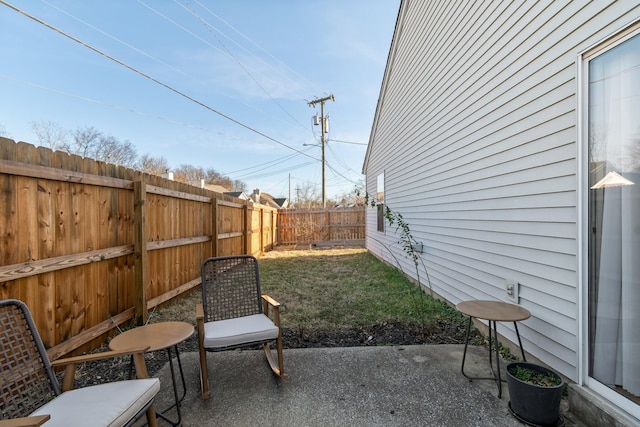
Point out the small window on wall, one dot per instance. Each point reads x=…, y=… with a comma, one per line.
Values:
x=380, y=200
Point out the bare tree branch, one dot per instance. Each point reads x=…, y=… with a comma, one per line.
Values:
x=50, y=134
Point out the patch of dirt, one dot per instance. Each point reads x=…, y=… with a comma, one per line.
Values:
x=393, y=333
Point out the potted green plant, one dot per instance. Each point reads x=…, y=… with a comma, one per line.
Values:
x=535, y=393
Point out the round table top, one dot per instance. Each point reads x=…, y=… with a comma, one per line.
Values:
x=493, y=310
x=156, y=336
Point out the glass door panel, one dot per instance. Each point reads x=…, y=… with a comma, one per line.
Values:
x=614, y=218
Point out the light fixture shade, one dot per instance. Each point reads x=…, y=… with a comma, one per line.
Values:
x=612, y=179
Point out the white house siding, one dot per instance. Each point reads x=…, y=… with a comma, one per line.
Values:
x=476, y=133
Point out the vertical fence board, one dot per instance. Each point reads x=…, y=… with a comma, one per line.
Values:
x=140, y=250
x=46, y=223
x=62, y=241
x=93, y=313
x=26, y=248
x=215, y=229
x=8, y=220
x=126, y=236
x=103, y=206
x=115, y=302
x=77, y=233
x=168, y=225
x=152, y=270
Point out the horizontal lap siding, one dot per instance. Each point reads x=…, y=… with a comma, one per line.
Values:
x=476, y=134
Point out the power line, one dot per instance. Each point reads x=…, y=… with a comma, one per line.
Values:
x=153, y=79
x=197, y=37
x=166, y=86
x=114, y=106
x=143, y=52
x=270, y=173
x=259, y=47
x=208, y=26
x=269, y=163
x=120, y=41
x=347, y=142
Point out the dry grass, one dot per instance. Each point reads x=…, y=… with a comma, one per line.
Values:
x=330, y=298
x=333, y=289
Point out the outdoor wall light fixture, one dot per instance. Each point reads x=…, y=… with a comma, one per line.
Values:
x=612, y=179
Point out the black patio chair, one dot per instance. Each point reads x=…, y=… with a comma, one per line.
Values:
x=234, y=314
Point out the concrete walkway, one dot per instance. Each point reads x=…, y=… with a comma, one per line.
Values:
x=418, y=385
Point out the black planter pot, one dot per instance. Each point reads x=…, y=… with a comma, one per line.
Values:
x=534, y=404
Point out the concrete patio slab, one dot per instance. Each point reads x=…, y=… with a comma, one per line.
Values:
x=418, y=385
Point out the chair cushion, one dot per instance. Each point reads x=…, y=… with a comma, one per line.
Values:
x=111, y=404
x=240, y=330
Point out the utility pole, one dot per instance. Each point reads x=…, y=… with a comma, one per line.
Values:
x=323, y=124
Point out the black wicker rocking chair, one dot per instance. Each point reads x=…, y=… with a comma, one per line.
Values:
x=234, y=314
x=30, y=394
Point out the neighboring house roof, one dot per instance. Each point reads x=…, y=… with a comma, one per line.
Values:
x=268, y=200
x=282, y=202
x=239, y=194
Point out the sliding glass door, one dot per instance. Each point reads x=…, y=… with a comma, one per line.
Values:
x=614, y=218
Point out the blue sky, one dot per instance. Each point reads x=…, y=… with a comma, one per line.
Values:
x=258, y=62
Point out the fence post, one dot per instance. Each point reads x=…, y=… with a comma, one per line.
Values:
x=247, y=228
x=261, y=230
x=273, y=229
x=214, y=226
x=327, y=231
x=140, y=248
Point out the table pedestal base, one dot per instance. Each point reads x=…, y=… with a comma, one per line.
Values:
x=496, y=375
x=178, y=400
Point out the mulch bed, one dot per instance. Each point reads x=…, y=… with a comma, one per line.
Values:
x=392, y=333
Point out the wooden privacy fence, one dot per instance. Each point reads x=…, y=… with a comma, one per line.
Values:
x=321, y=225
x=89, y=246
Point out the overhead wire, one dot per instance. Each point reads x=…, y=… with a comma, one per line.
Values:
x=288, y=168
x=153, y=79
x=317, y=89
x=339, y=159
x=197, y=37
x=115, y=106
x=136, y=50
x=178, y=92
x=347, y=142
x=209, y=27
x=269, y=163
x=120, y=41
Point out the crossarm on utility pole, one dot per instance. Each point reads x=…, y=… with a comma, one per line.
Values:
x=321, y=100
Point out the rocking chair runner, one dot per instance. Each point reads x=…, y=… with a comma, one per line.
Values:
x=234, y=314
x=30, y=394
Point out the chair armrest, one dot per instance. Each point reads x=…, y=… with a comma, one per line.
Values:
x=199, y=312
x=96, y=356
x=34, y=421
x=267, y=302
x=271, y=301
x=70, y=363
